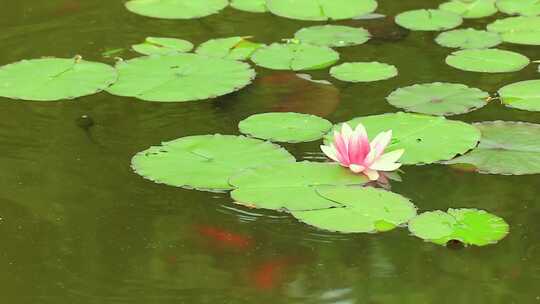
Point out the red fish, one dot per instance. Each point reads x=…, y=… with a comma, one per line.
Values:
x=225, y=238
x=68, y=7
x=270, y=274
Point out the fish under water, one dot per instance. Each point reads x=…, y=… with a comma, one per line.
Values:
x=223, y=238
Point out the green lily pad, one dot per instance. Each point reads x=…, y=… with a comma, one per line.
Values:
x=509, y=148
x=159, y=45
x=205, y=162
x=332, y=35
x=518, y=30
x=470, y=8
x=468, y=39
x=176, y=9
x=519, y=7
x=295, y=56
x=366, y=210
x=438, y=98
x=180, y=77
x=236, y=48
x=487, y=61
x=428, y=20
x=321, y=10
x=363, y=71
x=469, y=226
x=51, y=79
x=426, y=139
x=523, y=95
x=285, y=127
x=291, y=186
x=252, y=6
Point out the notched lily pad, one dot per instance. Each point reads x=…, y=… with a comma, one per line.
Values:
x=518, y=30
x=161, y=45
x=487, y=61
x=468, y=39
x=321, y=10
x=253, y=6
x=176, y=9
x=519, y=7
x=523, y=95
x=236, y=48
x=470, y=8
x=363, y=71
x=333, y=35
x=428, y=20
x=295, y=56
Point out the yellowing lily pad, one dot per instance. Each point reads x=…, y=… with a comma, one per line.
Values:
x=428, y=20
x=176, y=9
x=487, y=61
x=295, y=56
x=518, y=30
x=253, y=6
x=523, y=95
x=160, y=45
x=363, y=71
x=519, y=7
x=470, y=8
x=321, y=10
x=468, y=39
x=333, y=35
x=236, y=48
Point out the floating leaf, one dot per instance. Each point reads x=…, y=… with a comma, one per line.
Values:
x=237, y=48
x=428, y=20
x=285, y=127
x=510, y=148
x=295, y=56
x=291, y=186
x=176, y=9
x=363, y=71
x=365, y=210
x=470, y=8
x=426, y=139
x=524, y=95
x=253, y=6
x=519, y=30
x=469, y=226
x=468, y=39
x=321, y=10
x=51, y=79
x=332, y=35
x=487, y=61
x=180, y=77
x=438, y=98
x=519, y=7
x=205, y=161
x=159, y=45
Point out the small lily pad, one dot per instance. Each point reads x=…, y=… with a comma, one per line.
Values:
x=252, y=6
x=438, y=98
x=295, y=56
x=236, y=48
x=180, y=77
x=205, y=162
x=50, y=79
x=366, y=210
x=160, y=45
x=333, y=35
x=291, y=186
x=176, y=9
x=468, y=39
x=519, y=7
x=518, y=30
x=469, y=226
x=321, y=10
x=426, y=139
x=487, y=61
x=363, y=71
x=470, y=8
x=428, y=20
x=285, y=127
x=509, y=148
x=523, y=95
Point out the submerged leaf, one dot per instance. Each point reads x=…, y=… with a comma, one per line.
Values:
x=363, y=71
x=470, y=8
x=176, y=9
x=519, y=30
x=523, y=95
x=428, y=20
x=295, y=56
x=160, y=45
x=487, y=61
x=321, y=10
x=332, y=35
x=468, y=39
x=236, y=48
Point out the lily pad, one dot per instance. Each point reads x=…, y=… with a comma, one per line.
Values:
x=176, y=9
x=236, y=48
x=468, y=39
x=253, y=6
x=333, y=35
x=426, y=139
x=509, y=148
x=470, y=8
x=487, y=61
x=523, y=95
x=205, y=162
x=519, y=7
x=428, y=20
x=159, y=45
x=180, y=77
x=321, y=10
x=291, y=186
x=518, y=30
x=366, y=210
x=469, y=226
x=295, y=56
x=285, y=127
x=363, y=71
x=438, y=98
x=51, y=79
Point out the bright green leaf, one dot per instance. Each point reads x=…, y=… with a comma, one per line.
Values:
x=487, y=61
x=468, y=39
x=332, y=35
x=363, y=71
x=295, y=56
x=321, y=10
x=160, y=46
x=519, y=30
x=470, y=8
x=428, y=20
x=524, y=95
x=236, y=48
x=519, y=7
x=253, y=6
x=176, y=9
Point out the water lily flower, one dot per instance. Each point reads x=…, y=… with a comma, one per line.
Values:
x=353, y=150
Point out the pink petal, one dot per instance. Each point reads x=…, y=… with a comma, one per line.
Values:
x=341, y=147
x=330, y=151
x=380, y=142
x=388, y=161
x=346, y=132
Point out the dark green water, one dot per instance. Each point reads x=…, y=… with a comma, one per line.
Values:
x=77, y=226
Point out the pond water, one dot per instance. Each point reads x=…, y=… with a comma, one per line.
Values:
x=78, y=226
